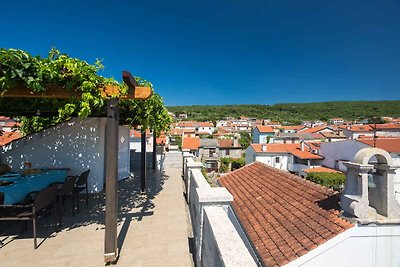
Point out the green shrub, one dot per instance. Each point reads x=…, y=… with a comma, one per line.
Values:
x=331, y=180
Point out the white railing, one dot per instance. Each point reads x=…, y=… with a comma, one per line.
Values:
x=217, y=239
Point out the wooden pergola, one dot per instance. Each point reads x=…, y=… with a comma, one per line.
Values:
x=113, y=94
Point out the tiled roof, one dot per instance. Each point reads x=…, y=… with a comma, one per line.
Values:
x=207, y=142
x=321, y=169
x=386, y=126
x=227, y=143
x=161, y=140
x=191, y=143
x=7, y=137
x=357, y=128
x=284, y=215
x=313, y=130
x=179, y=131
x=293, y=149
x=264, y=129
x=391, y=145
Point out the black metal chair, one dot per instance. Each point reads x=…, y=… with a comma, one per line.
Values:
x=43, y=204
x=80, y=185
x=65, y=190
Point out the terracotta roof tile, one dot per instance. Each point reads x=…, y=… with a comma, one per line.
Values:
x=191, y=143
x=313, y=130
x=265, y=129
x=321, y=169
x=391, y=145
x=7, y=137
x=293, y=149
x=357, y=128
x=284, y=215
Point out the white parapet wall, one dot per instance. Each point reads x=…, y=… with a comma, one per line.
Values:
x=217, y=240
x=76, y=144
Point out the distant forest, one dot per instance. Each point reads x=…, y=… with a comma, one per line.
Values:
x=294, y=113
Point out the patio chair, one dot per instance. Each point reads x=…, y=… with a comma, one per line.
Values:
x=65, y=190
x=80, y=185
x=43, y=204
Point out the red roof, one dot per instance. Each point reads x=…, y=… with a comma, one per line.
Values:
x=265, y=129
x=227, y=143
x=357, y=128
x=321, y=169
x=284, y=215
x=161, y=140
x=7, y=137
x=191, y=143
x=391, y=145
x=313, y=130
x=385, y=126
x=293, y=149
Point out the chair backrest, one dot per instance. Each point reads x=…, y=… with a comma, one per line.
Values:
x=83, y=178
x=68, y=185
x=45, y=197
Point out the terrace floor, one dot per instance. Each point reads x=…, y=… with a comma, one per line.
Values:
x=153, y=228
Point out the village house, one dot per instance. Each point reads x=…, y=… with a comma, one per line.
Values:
x=288, y=157
x=336, y=121
x=209, y=154
x=199, y=128
x=191, y=144
x=230, y=148
x=262, y=134
x=355, y=131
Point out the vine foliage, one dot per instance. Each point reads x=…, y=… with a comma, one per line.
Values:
x=18, y=67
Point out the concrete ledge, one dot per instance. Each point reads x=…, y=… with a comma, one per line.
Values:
x=225, y=240
x=213, y=195
x=199, y=180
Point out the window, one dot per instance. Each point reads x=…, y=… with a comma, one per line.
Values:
x=211, y=152
x=227, y=152
x=276, y=159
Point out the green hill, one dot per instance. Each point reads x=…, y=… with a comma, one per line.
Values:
x=294, y=112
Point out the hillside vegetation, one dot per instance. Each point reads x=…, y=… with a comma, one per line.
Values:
x=292, y=113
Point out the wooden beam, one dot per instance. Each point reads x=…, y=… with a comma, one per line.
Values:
x=154, y=151
x=129, y=80
x=111, y=153
x=55, y=91
x=143, y=162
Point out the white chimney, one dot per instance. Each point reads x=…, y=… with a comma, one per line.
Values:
x=302, y=145
x=264, y=148
x=235, y=143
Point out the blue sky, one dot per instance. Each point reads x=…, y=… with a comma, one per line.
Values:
x=224, y=51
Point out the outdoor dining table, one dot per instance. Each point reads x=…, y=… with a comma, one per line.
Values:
x=25, y=184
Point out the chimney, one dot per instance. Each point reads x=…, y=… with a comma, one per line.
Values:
x=235, y=143
x=264, y=148
x=302, y=145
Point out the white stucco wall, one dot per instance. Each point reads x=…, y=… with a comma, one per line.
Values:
x=270, y=160
x=78, y=145
x=123, y=153
x=366, y=246
x=341, y=150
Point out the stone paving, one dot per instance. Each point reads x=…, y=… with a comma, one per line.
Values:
x=153, y=228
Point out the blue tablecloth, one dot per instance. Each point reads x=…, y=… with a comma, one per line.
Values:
x=23, y=185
